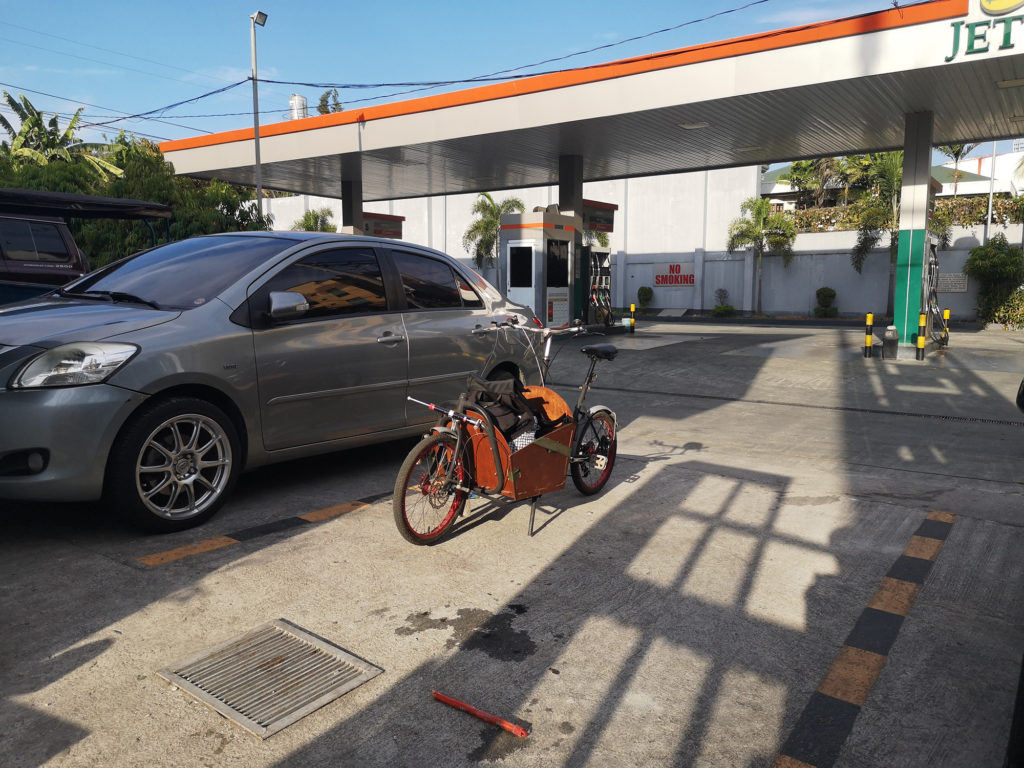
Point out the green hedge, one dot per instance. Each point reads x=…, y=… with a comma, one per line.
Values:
x=959, y=211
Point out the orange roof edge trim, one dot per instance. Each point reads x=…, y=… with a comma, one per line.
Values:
x=539, y=225
x=895, y=18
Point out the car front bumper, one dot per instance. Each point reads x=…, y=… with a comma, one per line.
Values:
x=54, y=442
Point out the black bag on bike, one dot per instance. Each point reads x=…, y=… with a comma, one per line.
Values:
x=504, y=403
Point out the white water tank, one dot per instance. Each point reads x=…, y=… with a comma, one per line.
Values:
x=297, y=105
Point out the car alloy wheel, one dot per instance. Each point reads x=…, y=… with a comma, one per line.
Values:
x=183, y=467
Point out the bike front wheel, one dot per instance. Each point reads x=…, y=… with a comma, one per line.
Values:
x=429, y=490
x=594, y=453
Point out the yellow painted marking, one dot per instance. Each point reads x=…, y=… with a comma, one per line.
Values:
x=162, y=558
x=923, y=547
x=852, y=675
x=784, y=761
x=1000, y=7
x=895, y=596
x=330, y=512
x=942, y=517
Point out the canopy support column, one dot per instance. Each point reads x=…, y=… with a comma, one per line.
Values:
x=914, y=222
x=570, y=184
x=352, y=194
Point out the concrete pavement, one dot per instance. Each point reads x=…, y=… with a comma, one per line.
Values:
x=795, y=542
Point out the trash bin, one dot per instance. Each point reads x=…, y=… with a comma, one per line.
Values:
x=890, y=343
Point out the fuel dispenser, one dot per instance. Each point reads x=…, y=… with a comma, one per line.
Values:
x=929, y=288
x=596, y=282
x=540, y=252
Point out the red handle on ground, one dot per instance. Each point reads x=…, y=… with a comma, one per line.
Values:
x=485, y=716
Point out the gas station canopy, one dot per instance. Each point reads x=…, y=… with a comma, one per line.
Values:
x=819, y=90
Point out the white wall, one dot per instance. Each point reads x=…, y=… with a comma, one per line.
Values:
x=685, y=218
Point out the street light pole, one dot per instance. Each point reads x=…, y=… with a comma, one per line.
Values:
x=257, y=18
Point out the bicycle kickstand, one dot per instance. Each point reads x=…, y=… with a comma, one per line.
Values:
x=533, y=513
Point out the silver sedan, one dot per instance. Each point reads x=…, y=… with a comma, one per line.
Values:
x=153, y=382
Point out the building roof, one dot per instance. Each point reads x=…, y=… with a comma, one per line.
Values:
x=825, y=89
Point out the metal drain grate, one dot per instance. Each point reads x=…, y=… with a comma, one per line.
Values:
x=270, y=677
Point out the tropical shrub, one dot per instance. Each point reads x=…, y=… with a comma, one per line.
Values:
x=998, y=266
x=825, y=296
x=1010, y=314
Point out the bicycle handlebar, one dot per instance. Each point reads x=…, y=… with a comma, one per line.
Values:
x=451, y=413
x=545, y=332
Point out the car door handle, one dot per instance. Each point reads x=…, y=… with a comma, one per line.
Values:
x=390, y=338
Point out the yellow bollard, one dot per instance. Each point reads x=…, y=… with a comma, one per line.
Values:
x=921, y=319
x=945, y=330
x=632, y=318
x=869, y=334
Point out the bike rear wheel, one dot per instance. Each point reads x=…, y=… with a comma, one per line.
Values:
x=595, y=444
x=428, y=497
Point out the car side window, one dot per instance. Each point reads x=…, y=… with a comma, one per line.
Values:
x=431, y=284
x=342, y=281
x=37, y=241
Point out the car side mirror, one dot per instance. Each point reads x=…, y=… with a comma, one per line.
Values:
x=287, y=305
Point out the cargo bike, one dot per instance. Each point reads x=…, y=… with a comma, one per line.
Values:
x=507, y=441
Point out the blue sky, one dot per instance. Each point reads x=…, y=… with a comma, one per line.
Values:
x=117, y=58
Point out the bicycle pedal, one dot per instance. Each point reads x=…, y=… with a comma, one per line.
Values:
x=600, y=462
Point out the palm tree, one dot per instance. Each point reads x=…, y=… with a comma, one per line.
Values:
x=481, y=239
x=40, y=141
x=956, y=153
x=765, y=232
x=318, y=220
x=880, y=214
x=826, y=178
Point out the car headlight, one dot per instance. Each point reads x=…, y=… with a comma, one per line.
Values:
x=72, y=365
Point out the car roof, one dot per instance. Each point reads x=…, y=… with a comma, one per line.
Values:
x=339, y=237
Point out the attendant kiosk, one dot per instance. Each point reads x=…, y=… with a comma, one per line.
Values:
x=541, y=265
x=545, y=265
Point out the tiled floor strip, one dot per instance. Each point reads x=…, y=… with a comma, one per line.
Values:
x=828, y=718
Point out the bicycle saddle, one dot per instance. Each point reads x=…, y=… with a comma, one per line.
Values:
x=600, y=351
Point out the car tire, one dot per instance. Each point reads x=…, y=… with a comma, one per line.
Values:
x=173, y=465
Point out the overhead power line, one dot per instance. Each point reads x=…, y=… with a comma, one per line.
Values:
x=498, y=76
x=22, y=89
x=106, y=50
x=412, y=86
x=160, y=110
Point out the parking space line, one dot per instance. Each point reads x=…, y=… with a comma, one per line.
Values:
x=257, y=531
x=331, y=512
x=179, y=553
x=830, y=714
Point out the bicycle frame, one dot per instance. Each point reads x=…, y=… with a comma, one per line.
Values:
x=465, y=453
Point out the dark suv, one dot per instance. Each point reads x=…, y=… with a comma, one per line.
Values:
x=37, y=254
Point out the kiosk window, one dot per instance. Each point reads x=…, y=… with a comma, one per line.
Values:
x=32, y=241
x=429, y=284
x=337, y=282
x=558, y=264
x=520, y=266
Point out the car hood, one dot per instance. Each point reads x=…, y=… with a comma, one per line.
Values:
x=49, y=321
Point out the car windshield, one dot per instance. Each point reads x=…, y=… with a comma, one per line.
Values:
x=180, y=275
